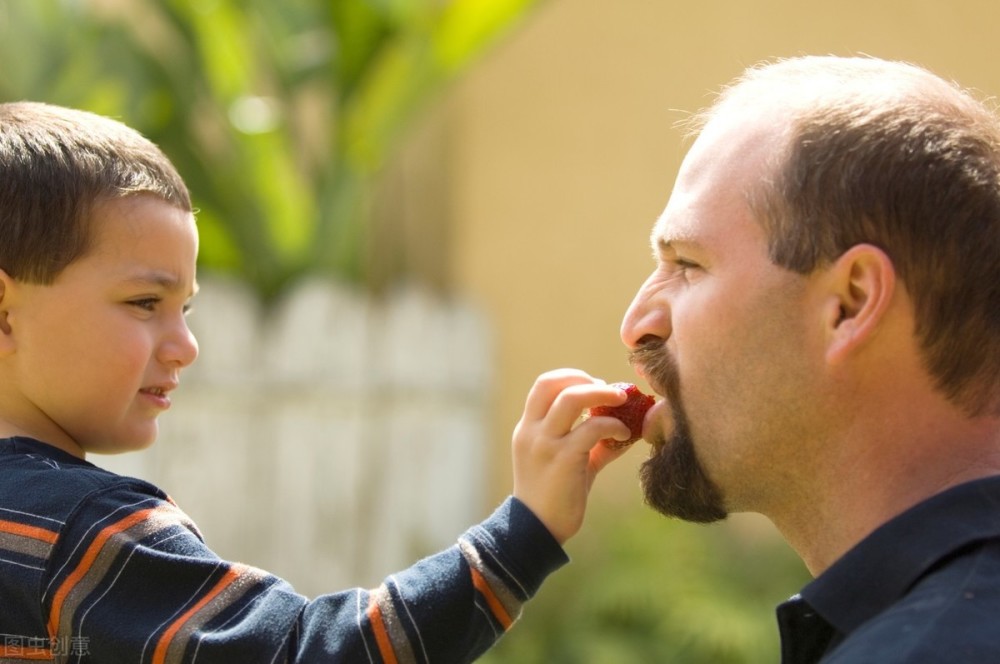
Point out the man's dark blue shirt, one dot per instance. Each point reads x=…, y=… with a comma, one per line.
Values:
x=924, y=587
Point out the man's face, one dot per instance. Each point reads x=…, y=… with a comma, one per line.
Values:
x=720, y=331
x=98, y=351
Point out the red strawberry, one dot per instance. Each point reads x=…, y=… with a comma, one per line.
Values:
x=632, y=413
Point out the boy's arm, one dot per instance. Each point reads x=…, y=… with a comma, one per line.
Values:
x=450, y=607
x=130, y=580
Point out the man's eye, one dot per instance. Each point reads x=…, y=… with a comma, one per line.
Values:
x=684, y=264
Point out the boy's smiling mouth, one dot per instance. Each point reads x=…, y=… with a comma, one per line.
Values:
x=159, y=394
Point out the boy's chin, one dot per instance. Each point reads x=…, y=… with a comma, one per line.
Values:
x=122, y=444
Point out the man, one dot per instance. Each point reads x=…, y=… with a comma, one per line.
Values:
x=824, y=322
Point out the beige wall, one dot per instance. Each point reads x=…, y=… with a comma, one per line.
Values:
x=563, y=151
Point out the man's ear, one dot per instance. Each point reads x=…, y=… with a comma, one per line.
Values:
x=862, y=282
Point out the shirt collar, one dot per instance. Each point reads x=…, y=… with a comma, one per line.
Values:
x=25, y=445
x=884, y=565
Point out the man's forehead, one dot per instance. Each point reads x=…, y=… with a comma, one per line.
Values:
x=732, y=156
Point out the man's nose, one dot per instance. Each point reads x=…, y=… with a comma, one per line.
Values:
x=648, y=315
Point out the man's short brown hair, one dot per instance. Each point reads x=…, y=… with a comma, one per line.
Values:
x=889, y=154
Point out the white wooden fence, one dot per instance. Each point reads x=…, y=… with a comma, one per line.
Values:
x=332, y=440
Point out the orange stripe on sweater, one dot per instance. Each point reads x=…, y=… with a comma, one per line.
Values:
x=499, y=612
x=160, y=654
x=381, y=634
x=25, y=653
x=87, y=562
x=33, y=532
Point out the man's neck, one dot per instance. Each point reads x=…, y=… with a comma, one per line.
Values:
x=880, y=474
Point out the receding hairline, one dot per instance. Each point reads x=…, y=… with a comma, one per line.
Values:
x=801, y=90
x=801, y=84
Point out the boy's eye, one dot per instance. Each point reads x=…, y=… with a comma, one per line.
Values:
x=145, y=303
x=150, y=304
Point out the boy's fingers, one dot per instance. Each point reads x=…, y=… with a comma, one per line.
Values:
x=548, y=387
x=596, y=429
x=576, y=400
x=601, y=455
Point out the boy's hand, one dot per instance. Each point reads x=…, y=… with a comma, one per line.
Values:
x=555, y=462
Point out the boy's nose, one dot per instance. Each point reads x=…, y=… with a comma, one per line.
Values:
x=180, y=348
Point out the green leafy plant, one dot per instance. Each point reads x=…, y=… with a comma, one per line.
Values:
x=280, y=115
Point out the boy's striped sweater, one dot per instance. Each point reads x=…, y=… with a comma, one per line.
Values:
x=96, y=567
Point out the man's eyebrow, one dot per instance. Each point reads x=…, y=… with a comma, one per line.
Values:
x=671, y=244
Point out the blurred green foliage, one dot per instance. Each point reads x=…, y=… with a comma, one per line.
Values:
x=641, y=588
x=280, y=115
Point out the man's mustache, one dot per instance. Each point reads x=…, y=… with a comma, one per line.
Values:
x=651, y=360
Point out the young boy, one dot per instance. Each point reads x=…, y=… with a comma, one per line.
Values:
x=97, y=269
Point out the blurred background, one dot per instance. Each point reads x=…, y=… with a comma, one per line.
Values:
x=408, y=210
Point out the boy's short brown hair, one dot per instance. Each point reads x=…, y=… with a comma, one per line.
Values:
x=55, y=165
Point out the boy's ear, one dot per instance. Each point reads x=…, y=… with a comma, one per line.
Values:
x=862, y=282
x=6, y=333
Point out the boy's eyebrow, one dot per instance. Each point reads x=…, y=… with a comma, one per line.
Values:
x=163, y=279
